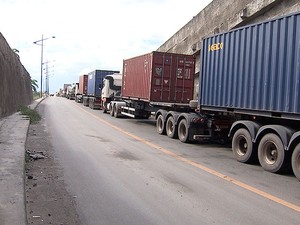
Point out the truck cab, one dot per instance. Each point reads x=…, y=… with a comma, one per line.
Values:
x=111, y=89
x=71, y=91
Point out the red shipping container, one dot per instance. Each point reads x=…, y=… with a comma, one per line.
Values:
x=159, y=77
x=83, y=81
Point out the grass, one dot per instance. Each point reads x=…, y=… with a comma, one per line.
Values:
x=33, y=115
x=36, y=95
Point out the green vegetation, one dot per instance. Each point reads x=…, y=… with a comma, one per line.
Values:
x=15, y=50
x=36, y=95
x=33, y=115
x=34, y=85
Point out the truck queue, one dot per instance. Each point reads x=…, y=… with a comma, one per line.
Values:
x=248, y=92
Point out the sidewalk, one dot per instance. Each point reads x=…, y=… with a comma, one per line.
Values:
x=13, y=133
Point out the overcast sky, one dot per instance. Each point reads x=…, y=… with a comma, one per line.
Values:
x=89, y=34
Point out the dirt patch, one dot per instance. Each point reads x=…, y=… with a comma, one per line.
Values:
x=47, y=200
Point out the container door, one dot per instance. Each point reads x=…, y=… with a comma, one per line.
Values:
x=161, y=78
x=85, y=84
x=183, y=83
x=91, y=83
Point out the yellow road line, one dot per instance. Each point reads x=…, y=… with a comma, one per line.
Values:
x=204, y=168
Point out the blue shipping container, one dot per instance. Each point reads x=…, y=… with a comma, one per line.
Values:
x=95, y=81
x=253, y=69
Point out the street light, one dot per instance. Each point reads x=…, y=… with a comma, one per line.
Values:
x=42, y=52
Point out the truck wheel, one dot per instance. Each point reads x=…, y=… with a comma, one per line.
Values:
x=183, y=131
x=111, y=109
x=91, y=105
x=296, y=161
x=116, y=111
x=160, y=125
x=104, y=107
x=171, y=129
x=242, y=146
x=271, y=153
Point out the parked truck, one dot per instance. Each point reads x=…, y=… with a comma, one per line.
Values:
x=248, y=92
x=71, y=91
x=94, y=86
x=154, y=81
x=64, y=91
x=82, y=88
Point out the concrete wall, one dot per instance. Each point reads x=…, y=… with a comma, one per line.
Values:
x=220, y=16
x=15, y=81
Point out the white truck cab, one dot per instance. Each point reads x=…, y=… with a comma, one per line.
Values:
x=111, y=88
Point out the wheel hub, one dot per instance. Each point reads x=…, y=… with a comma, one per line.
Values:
x=271, y=153
x=243, y=146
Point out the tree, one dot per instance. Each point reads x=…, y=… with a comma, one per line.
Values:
x=34, y=85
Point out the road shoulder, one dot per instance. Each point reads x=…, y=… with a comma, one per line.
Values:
x=47, y=199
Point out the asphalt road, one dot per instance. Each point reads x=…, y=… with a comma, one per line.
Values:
x=122, y=172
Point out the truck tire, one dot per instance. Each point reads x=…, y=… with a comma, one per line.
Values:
x=183, y=131
x=91, y=105
x=104, y=107
x=296, y=161
x=171, y=128
x=160, y=125
x=111, y=109
x=242, y=146
x=271, y=153
x=115, y=111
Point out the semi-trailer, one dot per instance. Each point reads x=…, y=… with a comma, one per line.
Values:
x=94, y=86
x=248, y=93
x=153, y=81
x=82, y=88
